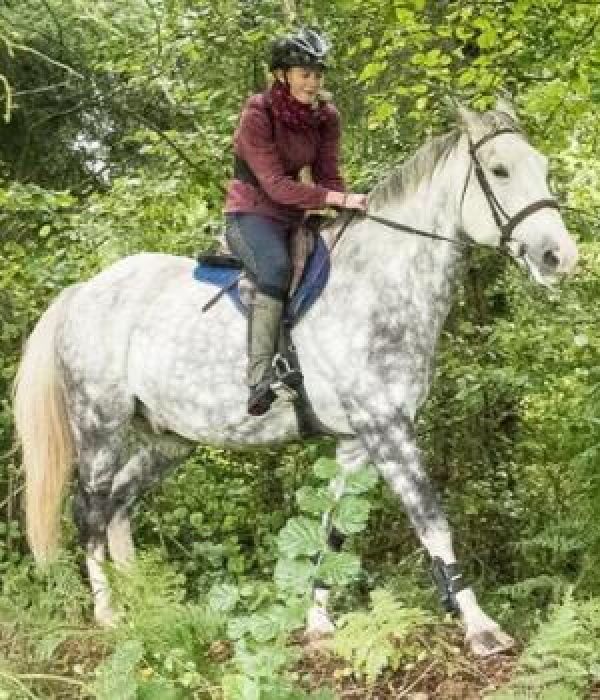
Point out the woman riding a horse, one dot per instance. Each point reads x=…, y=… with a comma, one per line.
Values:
x=280, y=132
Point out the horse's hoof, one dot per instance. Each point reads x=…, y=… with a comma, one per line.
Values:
x=489, y=642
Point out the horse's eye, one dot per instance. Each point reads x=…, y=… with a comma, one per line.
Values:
x=500, y=171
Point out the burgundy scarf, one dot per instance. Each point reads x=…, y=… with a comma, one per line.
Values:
x=294, y=114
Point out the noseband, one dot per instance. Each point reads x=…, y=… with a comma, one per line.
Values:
x=510, y=223
x=504, y=221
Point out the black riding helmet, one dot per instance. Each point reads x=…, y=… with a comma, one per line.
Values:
x=306, y=48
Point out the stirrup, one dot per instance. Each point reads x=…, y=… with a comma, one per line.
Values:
x=287, y=378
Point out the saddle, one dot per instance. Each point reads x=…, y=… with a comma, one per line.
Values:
x=310, y=249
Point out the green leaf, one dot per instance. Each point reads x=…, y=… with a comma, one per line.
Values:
x=326, y=468
x=301, y=537
x=115, y=677
x=265, y=627
x=467, y=77
x=372, y=70
x=262, y=661
x=159, y=689
x=351, y=514
x=267, y=624
x=293, y=575
x=314, y=501
x=384, y=111
x=361, y=481
x=223, y=597
x=238, y=687
x=339, y=568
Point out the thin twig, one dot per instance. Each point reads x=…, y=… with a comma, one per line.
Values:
x=15, y=681
x=53, y=61
x=161, y=134
x=50, y=677
x=45, y=88
x=9, y=96
x=405, y=692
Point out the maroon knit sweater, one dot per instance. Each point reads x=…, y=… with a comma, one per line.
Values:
x=276, y=158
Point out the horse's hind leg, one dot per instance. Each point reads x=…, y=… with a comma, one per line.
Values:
x=142, y=470
x=100, y=446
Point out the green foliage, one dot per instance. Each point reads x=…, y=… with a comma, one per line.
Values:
x=301, y=537
x=563, y=658
x=302, y=542
x=119, y=140
x=262, y=650
x=115, y=677
x=151, y=597
x=49, y=605
x=382, y=638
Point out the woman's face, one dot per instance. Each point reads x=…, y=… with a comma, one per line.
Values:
x=304, y=83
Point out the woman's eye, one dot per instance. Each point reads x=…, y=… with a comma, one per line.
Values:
x=500, y=171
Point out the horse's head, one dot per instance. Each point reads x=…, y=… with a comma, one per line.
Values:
x=506, y=201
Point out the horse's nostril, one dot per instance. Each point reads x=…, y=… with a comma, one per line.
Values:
x=551, y=259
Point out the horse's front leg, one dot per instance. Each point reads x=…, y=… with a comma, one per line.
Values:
x=391, y=445
x=350, y=455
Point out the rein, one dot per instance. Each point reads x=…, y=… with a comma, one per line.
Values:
x=506, y=227
x=418, y=232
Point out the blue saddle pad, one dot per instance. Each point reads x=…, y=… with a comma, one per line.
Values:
x=314, y=279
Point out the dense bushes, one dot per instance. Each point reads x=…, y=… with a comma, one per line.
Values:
x=119, y=142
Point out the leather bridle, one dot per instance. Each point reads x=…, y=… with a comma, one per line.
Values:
x=498, y=212
x=506, y=224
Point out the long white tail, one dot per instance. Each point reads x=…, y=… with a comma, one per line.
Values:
x=43, y=430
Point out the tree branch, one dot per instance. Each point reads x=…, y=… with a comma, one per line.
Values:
x=40, y=54
x=9, y=94
x=160, y=133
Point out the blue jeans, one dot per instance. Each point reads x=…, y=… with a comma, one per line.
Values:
x=262, y=245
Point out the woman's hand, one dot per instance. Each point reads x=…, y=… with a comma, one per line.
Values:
x=347, y=200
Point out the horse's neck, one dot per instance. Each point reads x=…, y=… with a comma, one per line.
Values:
x=402, y=270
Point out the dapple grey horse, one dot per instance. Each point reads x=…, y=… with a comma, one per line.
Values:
x=123, y=373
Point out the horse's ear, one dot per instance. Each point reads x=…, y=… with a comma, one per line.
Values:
x=467, y=119
x=504, y=104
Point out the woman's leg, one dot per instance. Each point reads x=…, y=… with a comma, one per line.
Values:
x=262, y=245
